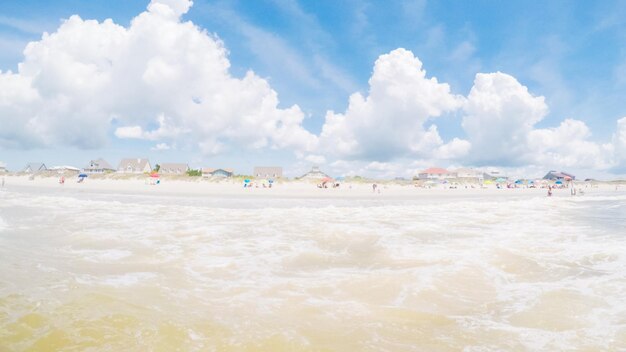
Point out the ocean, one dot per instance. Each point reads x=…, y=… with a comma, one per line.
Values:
x=87, y=271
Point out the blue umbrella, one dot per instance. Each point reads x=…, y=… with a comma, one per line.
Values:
x=519, y=182
x=559, y=182
x=83, y=175
x=500, y=179
x=246, y=181
x=270, y=181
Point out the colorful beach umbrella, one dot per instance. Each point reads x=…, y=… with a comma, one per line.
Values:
x=83, y=175
x=154, y=175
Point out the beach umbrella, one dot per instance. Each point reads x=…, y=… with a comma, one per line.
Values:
x=500, y=179
x=246, y=181
x=326, y=179
x=270, y=181
x=83, y=175
x=559, y=182
x=518, y=182
x=488, y=182
x=154, y=175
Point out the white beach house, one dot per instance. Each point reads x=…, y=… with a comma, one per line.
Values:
x=173, y=168
x=134, y=166
x=268, y=172
x=469, y=174
x=98, y=166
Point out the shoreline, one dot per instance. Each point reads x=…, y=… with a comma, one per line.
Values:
x=193, y=188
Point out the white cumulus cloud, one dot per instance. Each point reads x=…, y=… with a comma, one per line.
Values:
x=390, y=121
x=73, y=84
x=500, y=118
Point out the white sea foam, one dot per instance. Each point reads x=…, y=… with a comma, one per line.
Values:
x=519, y=273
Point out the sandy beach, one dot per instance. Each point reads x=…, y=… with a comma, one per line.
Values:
x=199, y=187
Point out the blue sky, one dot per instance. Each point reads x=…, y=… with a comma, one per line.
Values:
x=317, y=53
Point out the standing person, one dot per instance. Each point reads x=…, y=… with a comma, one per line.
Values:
x=374, y=187
x=2, y=181
x=549, y=191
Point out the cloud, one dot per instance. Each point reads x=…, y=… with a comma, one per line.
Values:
x=161, y=147
x=73, y=83
x=500, y=118
x=499, y=114
x=390, y=121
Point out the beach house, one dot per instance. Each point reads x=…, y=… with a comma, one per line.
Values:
x=34, y=167
x=494, y=174
x=134, y=166
x=268, y=172
x=217, y=173
x=436, y=173
x=173, y=168
x=469, y=174
x=64, y=169
x=314, y=174
x=556, y=176
x=98, y=166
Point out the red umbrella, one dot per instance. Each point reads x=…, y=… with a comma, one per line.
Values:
x=326, y=179
x=155, y=175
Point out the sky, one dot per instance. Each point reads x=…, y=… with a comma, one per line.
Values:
x=370, y=88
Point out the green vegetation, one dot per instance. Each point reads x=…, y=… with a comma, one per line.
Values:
x=194, y=173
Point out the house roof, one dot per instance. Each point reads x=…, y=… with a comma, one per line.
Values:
x=99, y=164
x=435, y=171
x=210, y=170
x=314, y=173
x=35, y=167
x=174, y=166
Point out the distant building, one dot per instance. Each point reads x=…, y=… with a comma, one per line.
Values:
x=173, y=168
x=64, y=168
x=34, y=167
x=98, y=166
x=268, y=172
x=314, y=174
x=134, y=166
x=555, y=176
x=3, y=168
x=435, y=173
x=494, y=174
x=468, y=173
x=210, y=172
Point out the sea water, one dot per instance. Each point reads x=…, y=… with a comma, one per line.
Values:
x=113, y=272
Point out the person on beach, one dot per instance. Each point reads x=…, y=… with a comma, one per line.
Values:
x=549, y=191
x=2, y=182
x=374, y=187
